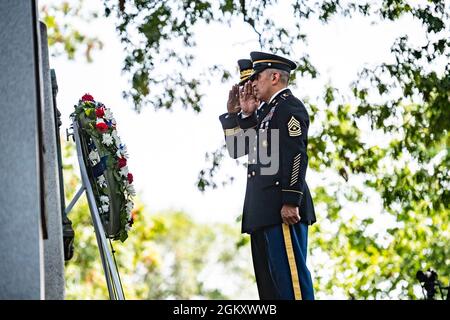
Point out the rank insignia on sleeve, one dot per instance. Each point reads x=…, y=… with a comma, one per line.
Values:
x=295, y=170
x=294, y=127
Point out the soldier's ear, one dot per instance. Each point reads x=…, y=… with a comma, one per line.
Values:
x=276, y=76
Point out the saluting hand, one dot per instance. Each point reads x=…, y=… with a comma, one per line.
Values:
x=290, y=214
x=247, y=99
x=233, y=100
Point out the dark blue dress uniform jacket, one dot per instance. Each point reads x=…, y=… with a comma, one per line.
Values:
x=266, y=194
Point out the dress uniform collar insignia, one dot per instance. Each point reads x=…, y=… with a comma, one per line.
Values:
x=294, y=127
x=274, y=101
x=282, y=94
x=286, y=94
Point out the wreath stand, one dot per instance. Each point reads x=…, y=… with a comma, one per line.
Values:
x=109, y=264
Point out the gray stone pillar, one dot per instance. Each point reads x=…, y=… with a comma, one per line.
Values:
x=21, y=205
x=53, y=245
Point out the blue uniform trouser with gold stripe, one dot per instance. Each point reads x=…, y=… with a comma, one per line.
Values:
x=279, y=259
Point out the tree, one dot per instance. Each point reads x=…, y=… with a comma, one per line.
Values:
x=167, y=255
x=406, y=99
x=63, y=35
x=405, y=103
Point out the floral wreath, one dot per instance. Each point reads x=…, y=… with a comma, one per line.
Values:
x=107, y=153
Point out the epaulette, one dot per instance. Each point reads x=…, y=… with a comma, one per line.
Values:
x=285, y=95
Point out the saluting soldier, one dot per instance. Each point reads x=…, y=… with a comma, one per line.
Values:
x=278, y=207
x=229, y=120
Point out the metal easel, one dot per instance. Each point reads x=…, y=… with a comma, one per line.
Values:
x=109, y=266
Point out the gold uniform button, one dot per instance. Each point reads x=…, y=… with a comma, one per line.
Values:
x=277, y=183
x=249, y=175
x=264, y=143
x=253, y=173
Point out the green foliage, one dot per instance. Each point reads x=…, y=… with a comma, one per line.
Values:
x=115, y=190
x=376, y=253
x=389, y=143
x=159, y=22
x=63, y=35
x=410, y=173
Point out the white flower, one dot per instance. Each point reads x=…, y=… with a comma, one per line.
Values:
x=124, y=171
x=122, y=151
x=116, y=139
x=99, y=120
x=130, y=189
x=104, y=199
x=105, y=207
x=127, y=227
x=129, y=206
x=107, y=139
x=94, y=157
x=101, y=181
x=108, y=115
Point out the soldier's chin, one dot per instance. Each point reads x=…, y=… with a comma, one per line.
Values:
x=259, y=98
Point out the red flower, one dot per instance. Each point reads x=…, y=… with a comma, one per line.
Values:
x=87, y=97
x=100, y=112
x=130, y=178
x=102, y=127
x=122, y=162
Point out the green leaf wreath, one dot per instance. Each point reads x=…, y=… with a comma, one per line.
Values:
x=107, y=166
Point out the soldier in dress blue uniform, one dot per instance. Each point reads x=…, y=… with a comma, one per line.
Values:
x=245, y=70
x=229, y=120
x=278, y=207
